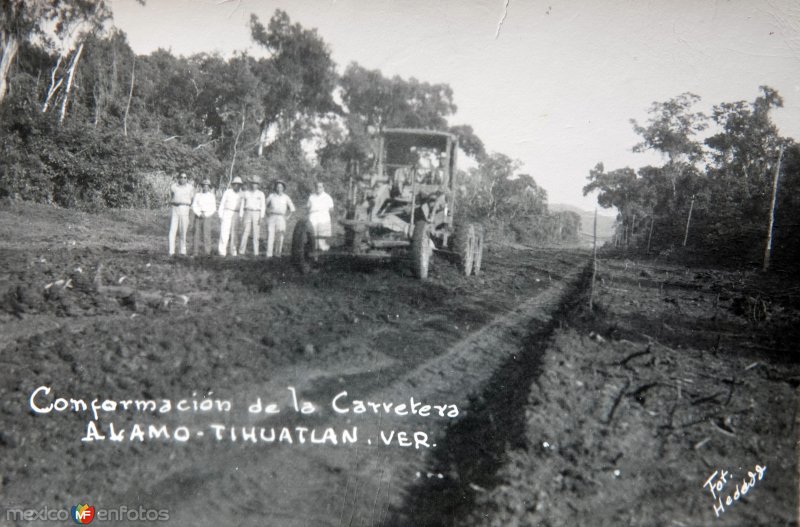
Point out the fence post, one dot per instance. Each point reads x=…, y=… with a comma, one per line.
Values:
x=594, y=260
x=768, y=248
x=688, y=221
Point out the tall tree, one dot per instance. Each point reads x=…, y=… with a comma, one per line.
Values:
x=299, y=76
x=488, y=186
x=105, y=78
x=671, y=130
x=746, y=146
x=382, y=102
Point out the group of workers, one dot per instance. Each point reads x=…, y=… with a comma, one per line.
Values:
x=243, y=209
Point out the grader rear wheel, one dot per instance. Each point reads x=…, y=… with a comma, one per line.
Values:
x=354, y=234
x=464, y=247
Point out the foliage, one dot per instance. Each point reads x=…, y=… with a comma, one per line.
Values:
x=135, y=121
x=470, y=143
x=382, y=102
x=512, y=204
x=727, y=186
x=71, y=166
x=300, y=75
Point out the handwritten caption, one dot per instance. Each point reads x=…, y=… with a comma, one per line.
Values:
x=101, y=427
x=717, y=482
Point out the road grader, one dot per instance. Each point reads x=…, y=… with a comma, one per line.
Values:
x=403, y=207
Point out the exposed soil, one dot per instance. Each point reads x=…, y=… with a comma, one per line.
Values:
x=563, y=416
x=120, y=320
x=676, y=374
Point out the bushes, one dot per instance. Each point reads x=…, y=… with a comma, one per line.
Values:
x=79, y=167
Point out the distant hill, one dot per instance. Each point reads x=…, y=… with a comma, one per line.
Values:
x=605, y=222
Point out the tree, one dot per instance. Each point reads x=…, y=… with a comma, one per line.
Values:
x=105, y=78
x=635, y=195
x=299, y=76
x=470, y=143
x=746, y=147
x=390, y=103
x=167, y=97
x=617, y=188
x=489, y=184
x=671, y=131
x=26, y=20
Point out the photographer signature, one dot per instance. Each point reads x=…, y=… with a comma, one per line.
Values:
x=717, y=482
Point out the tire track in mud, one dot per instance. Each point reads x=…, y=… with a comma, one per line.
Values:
x=368, y=484
x=473, y=448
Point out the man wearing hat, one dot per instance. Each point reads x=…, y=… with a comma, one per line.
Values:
x=181, y=194
x=252, y=211
x=204, y=205
x=229, y=207
x=279, y=208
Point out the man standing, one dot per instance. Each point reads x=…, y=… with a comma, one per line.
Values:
x=279, y=208
x=320, y=205
x=252, y=211
x=181, y=194
x=229, y=214
x=204, y=205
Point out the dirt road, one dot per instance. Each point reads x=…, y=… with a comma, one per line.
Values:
x=93, y=310
x=223, y=392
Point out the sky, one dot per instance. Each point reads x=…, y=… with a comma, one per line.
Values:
x=552, y=83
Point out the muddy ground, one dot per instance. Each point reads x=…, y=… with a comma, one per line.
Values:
x=527, y=408
x=675, y=375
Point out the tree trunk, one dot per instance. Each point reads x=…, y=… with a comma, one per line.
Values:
x=10, y=47
x=73, y=65
x=97, y=104
x=235, y=146
x=130, y=96
x=262, y=139
x=54, y=86
x=269, y=133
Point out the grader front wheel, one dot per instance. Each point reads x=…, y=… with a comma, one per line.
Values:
x=464, y=247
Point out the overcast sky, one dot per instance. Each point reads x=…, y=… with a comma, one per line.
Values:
x=555, y=87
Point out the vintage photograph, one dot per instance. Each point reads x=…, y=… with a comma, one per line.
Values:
x=399, y=263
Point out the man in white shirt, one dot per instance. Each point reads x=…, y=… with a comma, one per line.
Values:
x=181, y=194
x=204, y=205
x=229, y=207
x=320, y=205
x=279, y=208
x=252, y=211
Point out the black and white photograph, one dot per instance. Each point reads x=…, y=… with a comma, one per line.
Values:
x=399, y=263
